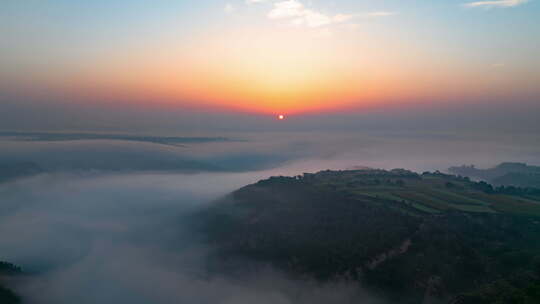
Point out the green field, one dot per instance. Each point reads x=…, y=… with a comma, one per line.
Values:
x=425, y=208
x=510, y=204
x=453, y=197
x=432, y=193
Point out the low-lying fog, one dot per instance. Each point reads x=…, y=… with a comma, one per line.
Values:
x=104, y=223
x=308, y=151
x=120, y=239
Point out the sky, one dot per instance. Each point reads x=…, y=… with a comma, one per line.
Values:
x=262, y=58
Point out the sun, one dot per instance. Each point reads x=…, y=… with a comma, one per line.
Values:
x=281, y=117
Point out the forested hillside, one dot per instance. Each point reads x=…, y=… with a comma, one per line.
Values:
x=411, y=238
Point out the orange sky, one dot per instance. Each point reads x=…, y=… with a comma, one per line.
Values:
x=323, y=63
x=265, y=71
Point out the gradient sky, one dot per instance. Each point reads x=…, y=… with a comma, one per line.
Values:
x=271, y=57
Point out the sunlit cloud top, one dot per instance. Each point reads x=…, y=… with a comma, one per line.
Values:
x=297, y=13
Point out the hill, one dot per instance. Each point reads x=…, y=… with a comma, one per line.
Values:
x=411, y=238
x=507, y=174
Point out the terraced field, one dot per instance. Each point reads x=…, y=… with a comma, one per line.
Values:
x=512, y=204
x=429, y=193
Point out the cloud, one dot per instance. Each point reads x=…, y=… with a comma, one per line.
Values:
x=229, y=8
x=381, y=14
x=300, y=15
x=495, y=3
x=286, y=9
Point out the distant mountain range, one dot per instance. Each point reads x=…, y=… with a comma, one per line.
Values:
x=410, y=238
x=507, y=174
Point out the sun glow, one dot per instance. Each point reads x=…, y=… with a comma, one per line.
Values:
x=259, y=70
x=262, y=57
x=281, y=117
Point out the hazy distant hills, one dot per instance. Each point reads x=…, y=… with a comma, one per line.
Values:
x=131, y=161
x=13, y=170
x=411, y=238
x=508, y=174
x=163, y=140
x=123, y=153
x=83, y=152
